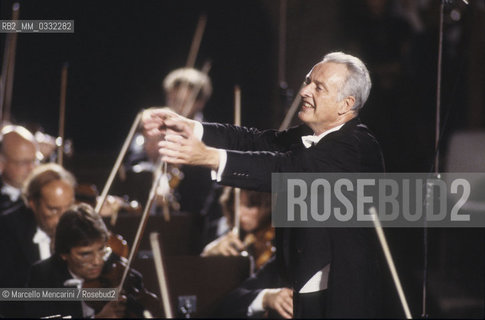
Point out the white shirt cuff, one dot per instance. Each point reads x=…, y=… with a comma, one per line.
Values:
x=198, y=130
x=217, y=175
x=257, y=305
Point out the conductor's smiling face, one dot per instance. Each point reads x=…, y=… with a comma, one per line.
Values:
x=321, y=108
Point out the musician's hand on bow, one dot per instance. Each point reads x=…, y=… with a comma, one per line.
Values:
x=226, y=245
x=180, y=146
x=280, y=300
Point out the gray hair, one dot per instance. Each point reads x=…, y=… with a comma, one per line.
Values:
x=20, y=131
x=358, y=83
x=192, y=77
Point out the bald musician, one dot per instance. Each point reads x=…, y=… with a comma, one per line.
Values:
x=18, y=157
x=26, y=235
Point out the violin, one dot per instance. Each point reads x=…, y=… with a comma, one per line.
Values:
x=118, y=244
x=259, y=245
x=140, y=303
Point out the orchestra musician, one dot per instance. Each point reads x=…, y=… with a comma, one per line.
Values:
x=256, y=232
x=18, y=157
x=333, y=272
x=81, y=256
x=27, y=234
x=188, y=187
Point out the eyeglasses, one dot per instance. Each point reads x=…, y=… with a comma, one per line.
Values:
x=88, y=257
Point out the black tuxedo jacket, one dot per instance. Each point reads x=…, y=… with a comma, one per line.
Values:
x=236, y=303
x=17, y=252
x=17, y=249
x=301, y=252
x=52, y=273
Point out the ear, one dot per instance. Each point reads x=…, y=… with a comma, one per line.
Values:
x=31, y=204
x=63, y=256
x=346, y=105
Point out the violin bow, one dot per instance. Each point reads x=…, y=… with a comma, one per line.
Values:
x=161, y=274
x=62, y=113
x=8, y=69
x=390, y=261
x=291, y=112
x=194, y=48
x=187, y=104
x=144, y=219
x=237, y=191
x=116, y=167
x=159, y=172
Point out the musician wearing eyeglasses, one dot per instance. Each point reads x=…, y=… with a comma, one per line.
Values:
x=81, y=258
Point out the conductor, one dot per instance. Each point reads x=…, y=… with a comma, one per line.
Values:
x=333, y=272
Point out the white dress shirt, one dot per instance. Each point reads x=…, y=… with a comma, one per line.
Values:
x=77, y=281
x=44, y=242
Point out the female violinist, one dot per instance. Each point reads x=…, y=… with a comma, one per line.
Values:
x=83, y=259
x=255, y=223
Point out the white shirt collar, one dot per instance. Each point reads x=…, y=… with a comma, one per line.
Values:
x=12, y=192
x=78, y=282
x=310, y=140
x=44, y=241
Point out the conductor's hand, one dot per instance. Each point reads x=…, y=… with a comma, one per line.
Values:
x=280, y=300
x=155, y=122
x=180, y=146
x=113, y=309
x=226, y=245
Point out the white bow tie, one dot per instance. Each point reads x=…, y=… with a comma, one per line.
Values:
x=310, y=140
x=12, y=192
x=40, y=236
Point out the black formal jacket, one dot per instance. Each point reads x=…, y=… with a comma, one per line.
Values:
x=253, y=155
x=236, y=303
x=17, y=249
x=52, y=273
x=17, y=252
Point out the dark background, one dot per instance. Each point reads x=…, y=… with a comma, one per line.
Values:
x=121, y=50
